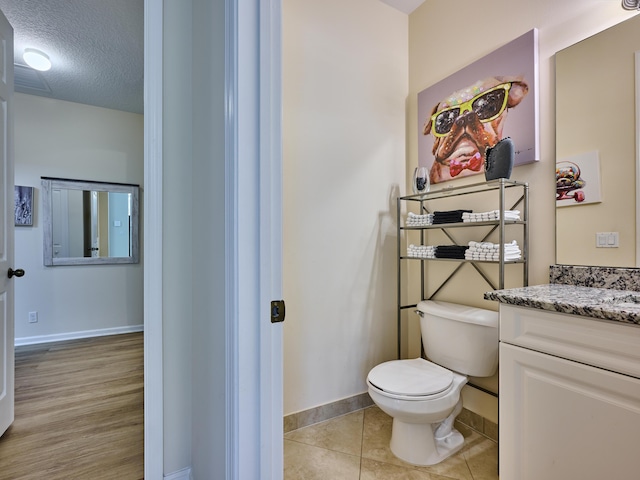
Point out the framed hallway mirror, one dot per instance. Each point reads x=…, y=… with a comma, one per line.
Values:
x=89, y=223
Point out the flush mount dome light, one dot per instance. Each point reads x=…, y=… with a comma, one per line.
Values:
x=36, y=59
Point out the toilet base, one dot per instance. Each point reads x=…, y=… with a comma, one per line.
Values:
x=415, y=443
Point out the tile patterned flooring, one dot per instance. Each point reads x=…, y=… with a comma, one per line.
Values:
x=356, y=447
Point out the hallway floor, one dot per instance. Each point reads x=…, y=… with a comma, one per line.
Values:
x=356, y=447
x=79, y=411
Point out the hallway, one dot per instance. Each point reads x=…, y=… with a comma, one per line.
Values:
x=78, y=411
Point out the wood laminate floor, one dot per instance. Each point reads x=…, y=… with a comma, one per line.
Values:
x=78, y=411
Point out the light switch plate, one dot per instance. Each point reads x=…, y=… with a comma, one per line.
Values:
x=607, y=240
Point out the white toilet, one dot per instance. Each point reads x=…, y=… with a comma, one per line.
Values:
x=423, y=397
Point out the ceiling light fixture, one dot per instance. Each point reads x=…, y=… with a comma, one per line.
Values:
x=36, y=59
x=631, y=4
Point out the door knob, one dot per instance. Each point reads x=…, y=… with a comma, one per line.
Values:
x=18, y=272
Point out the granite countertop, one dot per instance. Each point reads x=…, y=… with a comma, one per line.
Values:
x=603, y=303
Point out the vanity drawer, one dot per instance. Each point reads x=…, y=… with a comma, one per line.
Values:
x=606, y=344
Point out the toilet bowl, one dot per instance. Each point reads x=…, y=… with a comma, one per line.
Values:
x=423, y=397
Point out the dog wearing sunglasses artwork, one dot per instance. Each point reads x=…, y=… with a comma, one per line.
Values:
x=468, y=122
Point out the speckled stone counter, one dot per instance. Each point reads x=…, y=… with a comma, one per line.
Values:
x=618, y=278
x=604, y=303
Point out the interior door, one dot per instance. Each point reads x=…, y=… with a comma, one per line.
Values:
x=6, y=224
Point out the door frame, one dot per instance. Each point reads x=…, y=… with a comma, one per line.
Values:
x=152, y=305
x=253, y=74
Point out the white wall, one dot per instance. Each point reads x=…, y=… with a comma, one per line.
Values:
x=345, y=85
x=69, y=140
x=348, y=117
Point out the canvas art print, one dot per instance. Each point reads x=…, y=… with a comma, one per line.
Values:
x=23, y=206
x=471, y=110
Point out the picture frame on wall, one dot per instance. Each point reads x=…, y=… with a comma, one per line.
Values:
x=23, y=206
x=467, y=113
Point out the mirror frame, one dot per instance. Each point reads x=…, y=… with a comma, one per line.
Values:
x=51, y=183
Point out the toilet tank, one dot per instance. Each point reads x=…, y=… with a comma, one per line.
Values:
x=460, y=338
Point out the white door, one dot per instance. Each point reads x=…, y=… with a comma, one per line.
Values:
x=6, y=224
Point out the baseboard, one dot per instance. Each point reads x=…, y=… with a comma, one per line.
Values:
x=61, y=337
x=326, y=412
x=184, y=474
x=480, y=424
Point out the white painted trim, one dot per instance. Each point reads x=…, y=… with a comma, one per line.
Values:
x=254, y=345
x=61, y=337
x=231, y=247
x=184, y=474
x=637, y=130
x=271, y=388
x=152, y=204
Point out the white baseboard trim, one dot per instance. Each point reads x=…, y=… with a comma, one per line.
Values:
x=184, y=474
x=61, y=337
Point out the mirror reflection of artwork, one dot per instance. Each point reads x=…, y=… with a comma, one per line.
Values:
x=469, y=112
x=23, y=206
x=578, y=180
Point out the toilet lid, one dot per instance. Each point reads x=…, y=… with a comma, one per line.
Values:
x=416, y=377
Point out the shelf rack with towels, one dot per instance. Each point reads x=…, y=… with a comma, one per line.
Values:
x=423, y=201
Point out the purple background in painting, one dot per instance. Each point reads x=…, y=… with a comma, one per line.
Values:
x=518, y=57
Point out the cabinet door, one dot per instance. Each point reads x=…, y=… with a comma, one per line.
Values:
x=562, y=420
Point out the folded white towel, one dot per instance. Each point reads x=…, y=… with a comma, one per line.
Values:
x=491, y=251
x=492, y=246
x=492, y=258
x=492, y=215
x=415, y=220
x=421, y=251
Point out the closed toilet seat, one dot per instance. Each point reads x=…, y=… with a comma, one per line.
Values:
x=416, y=379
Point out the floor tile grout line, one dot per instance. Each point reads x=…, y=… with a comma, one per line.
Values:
x=321, y=448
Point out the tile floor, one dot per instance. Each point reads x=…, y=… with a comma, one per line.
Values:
x=356, y=447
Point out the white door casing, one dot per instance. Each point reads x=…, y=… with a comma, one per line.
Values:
x=254, y=212
x=6, y=226
x=253, y=52
x=153, y=383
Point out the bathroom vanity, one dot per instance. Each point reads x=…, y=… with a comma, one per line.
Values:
x=569, y=382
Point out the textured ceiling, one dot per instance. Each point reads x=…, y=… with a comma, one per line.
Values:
x=95, y=46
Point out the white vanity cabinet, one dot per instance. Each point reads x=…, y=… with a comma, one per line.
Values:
x=569, y=397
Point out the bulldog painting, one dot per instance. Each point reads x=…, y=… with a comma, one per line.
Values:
x=468, y=122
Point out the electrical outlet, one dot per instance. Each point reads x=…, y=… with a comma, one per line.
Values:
x=33, y=317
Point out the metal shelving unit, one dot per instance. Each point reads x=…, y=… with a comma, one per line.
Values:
x=499, y=186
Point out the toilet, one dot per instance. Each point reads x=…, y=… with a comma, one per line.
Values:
x=423, y=396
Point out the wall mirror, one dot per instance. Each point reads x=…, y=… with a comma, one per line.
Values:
x=596, y=117
x=89, y=223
